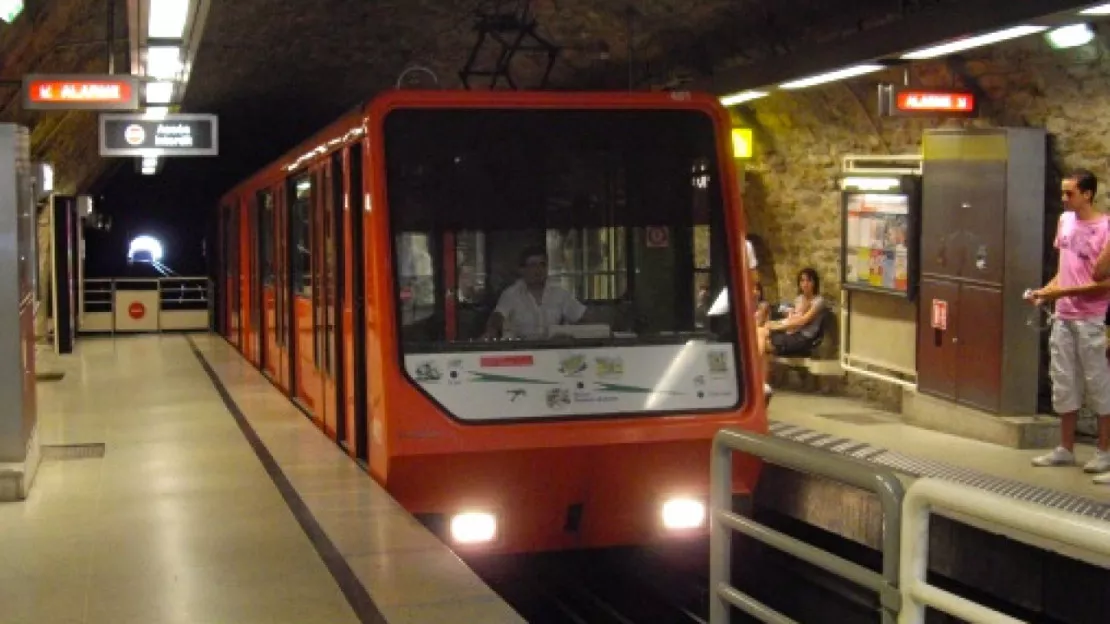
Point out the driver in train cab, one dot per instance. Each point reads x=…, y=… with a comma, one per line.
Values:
x=531, y=305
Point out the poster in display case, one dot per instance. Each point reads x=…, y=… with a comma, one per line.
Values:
x=880, y=248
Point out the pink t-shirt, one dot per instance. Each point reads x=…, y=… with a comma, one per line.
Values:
x=1080, y=243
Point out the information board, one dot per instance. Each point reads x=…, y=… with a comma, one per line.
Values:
x=175, y=135
x=877, y=241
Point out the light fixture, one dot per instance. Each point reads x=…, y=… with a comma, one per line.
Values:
x=743, y=96
x=150, y=161
x=149, y=170
x=163, y=62
x=1070, y=36
x=10, y=9
x=870, y=184
x=683, y=514
x=146, y=245
x=47, y=177
x=167, y=19
x=473, y=527
x=973, y=42
x=840, y=74
x=159, y=92
x=742, y=143
x=156, y=112
x=1102, y=9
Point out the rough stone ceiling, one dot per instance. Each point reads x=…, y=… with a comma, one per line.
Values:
x=276, y=70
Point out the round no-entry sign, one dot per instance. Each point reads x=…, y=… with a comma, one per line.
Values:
x=136, y=310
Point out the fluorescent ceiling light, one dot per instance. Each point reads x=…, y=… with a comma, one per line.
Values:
x=743, y=96
x=1070, y=36
x=1102, y=9
x=871, y=184
x=973, y=42
x=157, y=112
x=163, y=62
x=167, y=19
x=840, y=74
x=10, y=9
x=159, y=92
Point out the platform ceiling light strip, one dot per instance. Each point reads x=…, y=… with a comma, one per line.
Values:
x=168, y=19
x=159, y=92
x=973, y=42
x=1102, y=9
x=163, y=62
x=1071, y=36
x=743, y=96
x=833, y=76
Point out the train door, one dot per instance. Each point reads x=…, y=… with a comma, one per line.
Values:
x=353, y=350
x=283, y=305
x=330, y=179
x=254, y=281
x=265, y=276
x=306, y=286
x=231, y=277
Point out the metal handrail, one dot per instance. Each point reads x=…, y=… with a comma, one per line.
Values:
x=1069, y=531
x=798, y=457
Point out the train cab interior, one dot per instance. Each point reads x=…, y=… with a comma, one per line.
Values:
x=627, y=204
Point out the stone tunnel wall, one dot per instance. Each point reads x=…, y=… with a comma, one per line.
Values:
x=790, y=187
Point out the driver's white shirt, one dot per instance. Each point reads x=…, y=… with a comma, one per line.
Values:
x=525, y=318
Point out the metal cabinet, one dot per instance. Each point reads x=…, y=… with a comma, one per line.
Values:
x=983, y=236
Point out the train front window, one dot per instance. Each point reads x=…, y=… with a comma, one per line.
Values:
x=560, y=260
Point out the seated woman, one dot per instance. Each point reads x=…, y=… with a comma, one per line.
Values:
x=794, y=335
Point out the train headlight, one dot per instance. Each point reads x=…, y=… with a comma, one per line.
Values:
x=683, y=513
x=473, y=527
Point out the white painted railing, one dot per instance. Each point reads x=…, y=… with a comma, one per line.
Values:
x=114, y=305
x=1069, y=534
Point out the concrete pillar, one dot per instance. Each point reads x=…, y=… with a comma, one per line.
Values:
x=19, y=454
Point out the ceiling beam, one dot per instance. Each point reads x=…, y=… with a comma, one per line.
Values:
x=916, y=30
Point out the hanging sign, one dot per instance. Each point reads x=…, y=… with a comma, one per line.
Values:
x=909, y=102
x=174, y=135
x=80, y=92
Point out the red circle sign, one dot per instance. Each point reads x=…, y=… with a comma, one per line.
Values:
x=136, y=310
x=134, y=134
x=658, y=237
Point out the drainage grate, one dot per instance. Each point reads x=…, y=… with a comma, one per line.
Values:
x=92, y=450
x=920, y=467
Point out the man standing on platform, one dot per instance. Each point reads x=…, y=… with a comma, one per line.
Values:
x=1077, y=344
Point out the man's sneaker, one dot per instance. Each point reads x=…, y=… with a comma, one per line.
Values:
x=1060, y=456
x=1103, y=478
x=1099, y=463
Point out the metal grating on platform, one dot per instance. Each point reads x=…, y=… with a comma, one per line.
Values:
x=92, y=450
x=920, y=467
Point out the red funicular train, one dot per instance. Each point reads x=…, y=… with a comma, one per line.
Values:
x=361, y=272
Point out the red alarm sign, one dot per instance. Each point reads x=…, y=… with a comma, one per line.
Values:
x=136, y=310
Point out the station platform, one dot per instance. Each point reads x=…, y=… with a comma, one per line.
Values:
x=851, y=427
x=178, y=485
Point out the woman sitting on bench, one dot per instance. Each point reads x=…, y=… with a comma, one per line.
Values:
x=795, y=335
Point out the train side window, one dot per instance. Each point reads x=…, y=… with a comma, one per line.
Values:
x=300, y=222
x=266, y=235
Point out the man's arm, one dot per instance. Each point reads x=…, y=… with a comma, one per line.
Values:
x=494, y=326
x=1102, y=265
